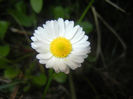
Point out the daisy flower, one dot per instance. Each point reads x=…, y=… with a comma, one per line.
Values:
x=60, y=45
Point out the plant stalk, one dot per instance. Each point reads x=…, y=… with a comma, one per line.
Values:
x=51, y=75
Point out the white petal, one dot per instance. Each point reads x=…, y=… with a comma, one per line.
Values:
x=67, y=70
x=84, y=39
x=69, y=25
x=43, y=61
x=42, y=35
x=52, y=28
x=33, y=38
x=50, y=63
x=76, y=58
x=33, y=46
x=71, y=32
x=44, y=56
x=53, y=63
x=58, y=65
x=79, y=35
x=62, y=66
x=81, y=51
x=40, y=48
x=81, y=45
x=66, y=23
x=61, y=27
x=73, y=65
x=56, y=68
x=56, y=28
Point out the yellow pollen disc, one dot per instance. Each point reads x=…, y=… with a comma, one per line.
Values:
x=60, y=47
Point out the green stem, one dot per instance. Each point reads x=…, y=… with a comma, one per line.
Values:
x=86, y=10
x=51, y=75
x=72, y=89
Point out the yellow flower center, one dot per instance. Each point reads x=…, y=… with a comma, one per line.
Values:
x=60, y=47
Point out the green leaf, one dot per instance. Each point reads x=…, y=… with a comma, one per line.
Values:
x=11, y=73
x=4, y=50
x=3, y=29
x=39, y=80
x=19, y=14
x=60, y=77
x=87, y=26
x=3, y=63
x=36, y=5
x=61, y=12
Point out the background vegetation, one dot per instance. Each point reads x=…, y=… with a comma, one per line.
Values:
x=106, y=74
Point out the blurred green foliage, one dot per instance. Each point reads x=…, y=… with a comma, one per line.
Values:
x=36, y=5
x=60, y=77
x=61, y=12
x=3, y=29
x=87, y=26
x=39, y=79
x=4, y=50
x=20, y=15
x=11, y=73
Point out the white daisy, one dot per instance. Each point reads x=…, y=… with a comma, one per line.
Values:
x=60, y=45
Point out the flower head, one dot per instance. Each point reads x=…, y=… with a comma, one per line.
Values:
x=60, y=45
